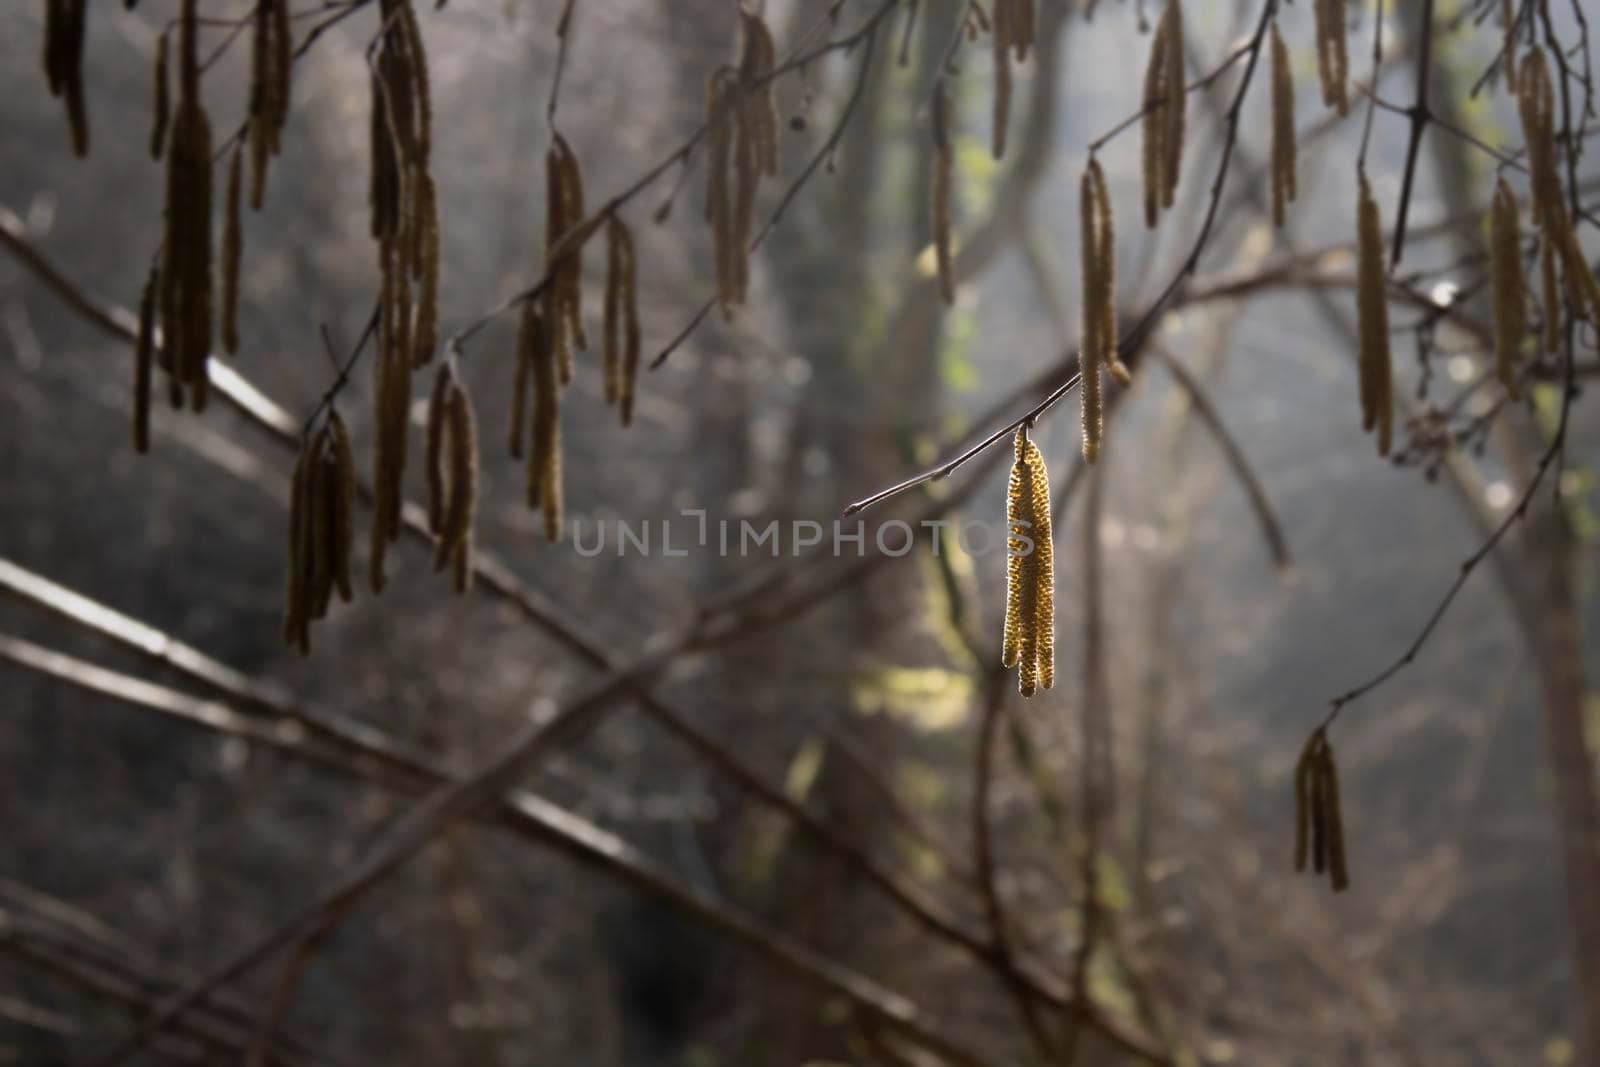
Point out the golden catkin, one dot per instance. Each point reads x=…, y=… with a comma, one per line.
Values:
x=1333, y=62
x=232, y=251
x=163, y=105
x=1377, y=409
x=943, y=166
x=565, y=231
x=1284, y=183
x=433, y=463
x=343, y=493
x=1505, y=271
x=143, y=361
x=1029, y=637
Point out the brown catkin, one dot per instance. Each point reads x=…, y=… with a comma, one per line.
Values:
x=939, y=182
x=544, y=460
x=343, y=490
x=1508, y=53
x=526, y=323
x=425, y=336
x=1284, y=183
x=232, y=250
x=1328, y=775
x=612, y=376
x=629, y=386
x=1505, y=270
x=433, y=463
x=1549, y=293
x=64, y=26
x=162, y=106
x=1155, y=126
x=455, y=540
x=571, y=259
x=299, y=556
x=622, y=318
x=1319, y=818
x=1098, y=346
x=1333, y=63
x=1373, y=314
x=319, y=580
x=1302, y=809
x=185, y=298
x=1175, y=105
x=143, y=360
x=1001, y=34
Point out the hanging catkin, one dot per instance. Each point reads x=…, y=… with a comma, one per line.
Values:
x=1165, y=101
x=459, y=431
x=63, y=64
x=185, y=298
x=1029, y=637
x=1284, y=184
x=721, y=101
x=270, y=62
x=939, y=183
x=1319, y=820
x=1011, y=33
x=544, y=459
x=232, y=250
x=143, y=361
x=1505, y=270
x=162, y=106
x=1377, y=408
x=343, y=495
x=1333, y=63
x=565, y=232
x=433, y=450
x=621, y=318
x=527, y=322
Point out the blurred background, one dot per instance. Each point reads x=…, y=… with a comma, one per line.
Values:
x=663, y=903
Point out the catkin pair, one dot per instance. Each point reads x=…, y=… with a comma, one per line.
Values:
x=1318, y=821
x=621, y=319
x=452, y=468
x=1505, y=274
x=565, y=231
x=1284, y=184
x=1372, y=313
x=1028, y=642
x=943, y=167
x=401, y=194
x=536, y=359
x=1099, y=347
x=741, y=150
x=63, y=64
x=1011, y=32
x=271, y=58
x=1333, y=61
x=1536, y=105
x=185, y=298
x=321, y=530
x=1165, y=99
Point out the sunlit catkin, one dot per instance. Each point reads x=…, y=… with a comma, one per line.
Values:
x=1029, y=637
x=232, y=250
x=943, y=166
x=1284, y=184
x=1333, y=63
x=162, y=106
x=1377, y=409
x=1505, y=271
x=143, y=364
